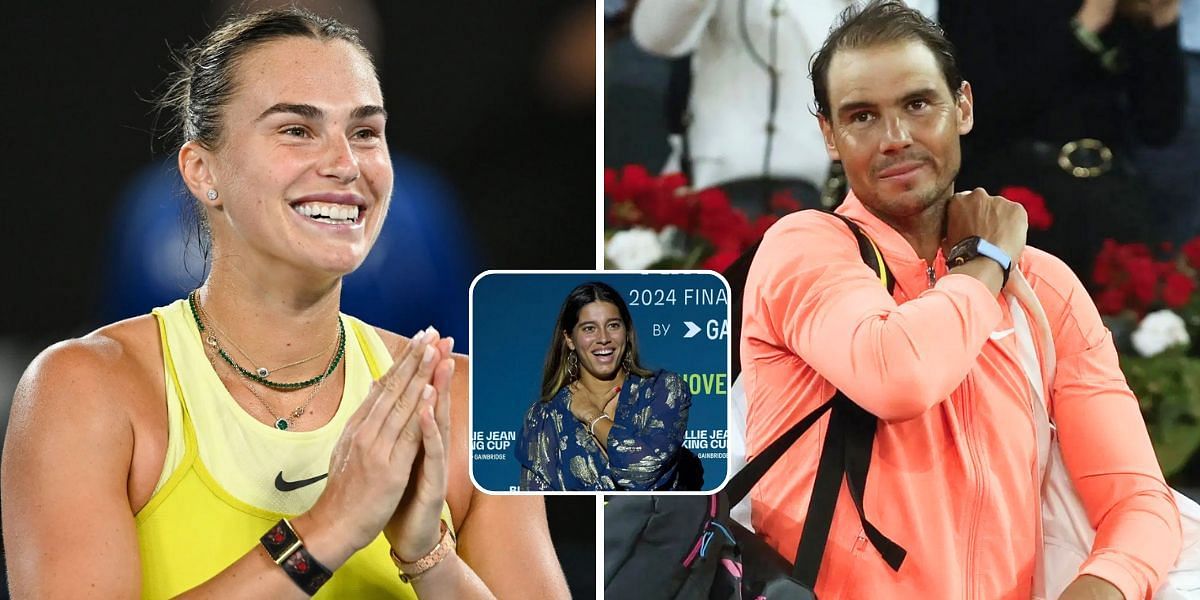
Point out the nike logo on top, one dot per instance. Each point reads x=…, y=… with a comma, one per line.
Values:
x=1001, y=334
x=290, y=486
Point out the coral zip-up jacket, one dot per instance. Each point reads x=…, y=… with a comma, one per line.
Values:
x=953, y=475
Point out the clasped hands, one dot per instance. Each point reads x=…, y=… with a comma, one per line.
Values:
x=388, y=471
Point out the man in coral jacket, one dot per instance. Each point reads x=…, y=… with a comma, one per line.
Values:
x=954, y=475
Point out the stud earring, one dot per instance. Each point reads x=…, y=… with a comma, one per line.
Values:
x=212, y=194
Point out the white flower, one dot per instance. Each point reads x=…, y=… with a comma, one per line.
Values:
x=634, y=249
x=1158, y=331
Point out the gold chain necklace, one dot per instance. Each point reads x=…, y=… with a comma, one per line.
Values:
x=211, y=340
x=261, y=371
x=280, y=423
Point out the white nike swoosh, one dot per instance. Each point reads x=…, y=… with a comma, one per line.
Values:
x=1001, y=334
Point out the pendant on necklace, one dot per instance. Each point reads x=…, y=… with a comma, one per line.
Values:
x=263, y=372
x=281, y=424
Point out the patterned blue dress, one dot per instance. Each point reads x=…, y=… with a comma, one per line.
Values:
x=557, y=453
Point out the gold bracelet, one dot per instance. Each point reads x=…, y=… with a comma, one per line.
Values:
x=410, y=571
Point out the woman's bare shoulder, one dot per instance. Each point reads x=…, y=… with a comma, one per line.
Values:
x=78, y=422
x=108, y=369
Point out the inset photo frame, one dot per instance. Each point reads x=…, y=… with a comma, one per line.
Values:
x=599, y=381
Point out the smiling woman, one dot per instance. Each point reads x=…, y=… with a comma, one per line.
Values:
x=250, y=440
x=604, y=422
x=313, y=140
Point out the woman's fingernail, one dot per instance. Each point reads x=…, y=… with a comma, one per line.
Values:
x=433, y=330
x=429, y=353
x=427, y=393
x=416, y=338
x=450, y=346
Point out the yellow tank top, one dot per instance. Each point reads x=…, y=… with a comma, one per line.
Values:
x=228, y=478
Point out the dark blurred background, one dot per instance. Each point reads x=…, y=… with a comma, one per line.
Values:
x=491, y=128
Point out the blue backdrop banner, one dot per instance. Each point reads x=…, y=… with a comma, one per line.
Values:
x=682, y=324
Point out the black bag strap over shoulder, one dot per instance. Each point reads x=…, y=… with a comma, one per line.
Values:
x=845, y=452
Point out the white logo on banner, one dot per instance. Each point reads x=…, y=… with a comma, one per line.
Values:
x=492, y=445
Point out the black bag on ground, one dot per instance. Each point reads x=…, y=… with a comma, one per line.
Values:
x=688, y=547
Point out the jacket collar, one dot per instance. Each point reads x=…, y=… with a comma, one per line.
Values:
x=908, y=268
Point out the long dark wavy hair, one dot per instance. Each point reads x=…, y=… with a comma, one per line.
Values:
x=554, y=373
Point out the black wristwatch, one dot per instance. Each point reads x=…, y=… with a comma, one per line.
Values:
x=286, y=548
x=973, y=247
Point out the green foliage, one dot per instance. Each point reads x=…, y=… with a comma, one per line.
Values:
x=1167, y=386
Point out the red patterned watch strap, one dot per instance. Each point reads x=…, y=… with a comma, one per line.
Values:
x=288, y=551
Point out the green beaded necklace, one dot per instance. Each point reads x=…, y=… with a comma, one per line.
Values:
x=251, y=375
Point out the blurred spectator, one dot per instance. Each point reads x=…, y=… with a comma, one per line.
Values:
x=1176, y=208
x=748, y=119
x=1062, y=90
x=635, y=91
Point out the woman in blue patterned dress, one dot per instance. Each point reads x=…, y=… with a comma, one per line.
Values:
x=604, y=422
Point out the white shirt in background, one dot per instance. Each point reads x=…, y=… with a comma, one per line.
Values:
x=731, y=92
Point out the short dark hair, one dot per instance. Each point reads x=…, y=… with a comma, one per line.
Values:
x=554, y=372
x=877, y=23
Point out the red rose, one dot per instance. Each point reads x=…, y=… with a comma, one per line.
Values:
x=634, y=180
x=730, y=236
x=1191, y=249
x=718, y=222
x=783, y=202
x=1110, y=301
x=666, y=202
x=623, y=213
x=1034, y=203
x=761, y=225
x=1141, y=279
x=1127, y=252
x=1102, y=272
x=624, y=192
x=677, y=212
x=713, y=202
x=1177, y=289
x=720, y=261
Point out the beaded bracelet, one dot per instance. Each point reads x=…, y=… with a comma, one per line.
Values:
x=288, y=551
